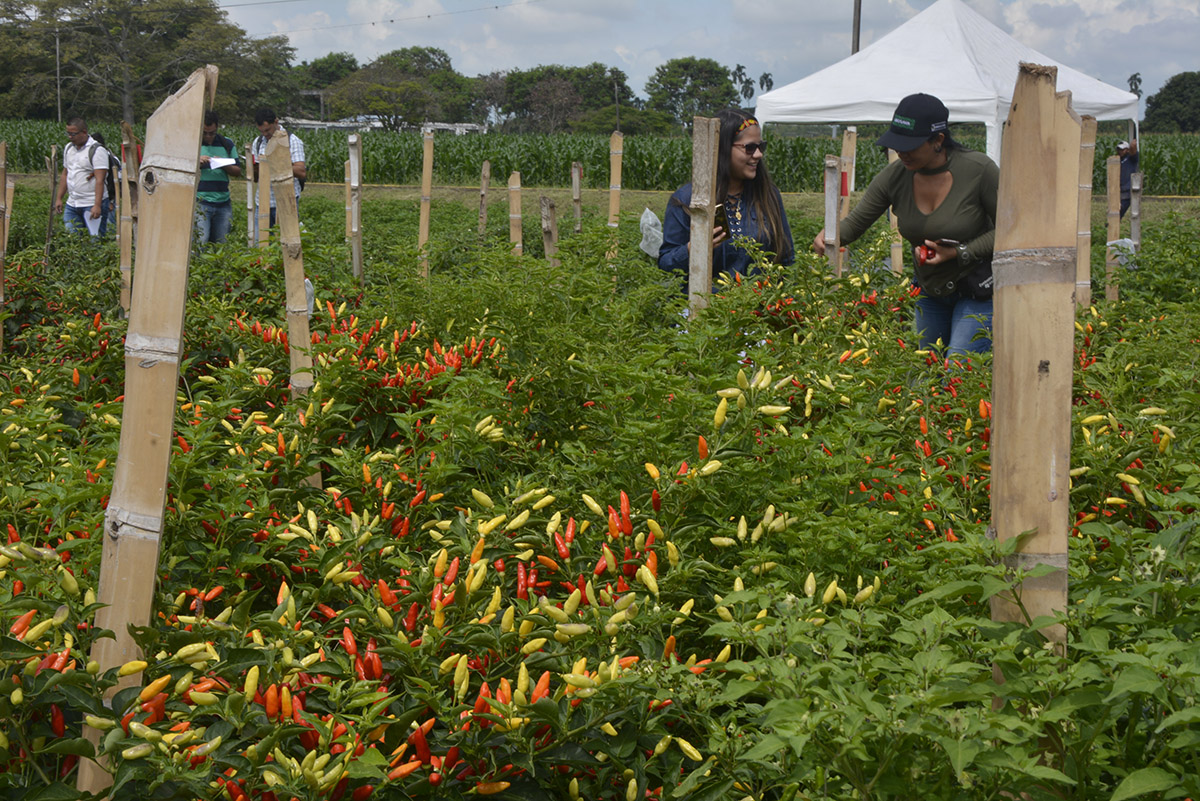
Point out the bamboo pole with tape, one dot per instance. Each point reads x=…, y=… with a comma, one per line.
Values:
x=426, y=200
x=52, y=168
x=1083, y=237
x=128, y=216
x=577, y=194
x=1033, y=320
x=346, y=183
x=485, y=178
x=1113, y=166
x=133, y=520
x=514, y=212
x=9, y=192
x=262, y=219
x=894, y=223
x=849, y=150
x=549, y=229
x=356, y=235
x=5, y=203
x=706, y=137
x=278, y=160
x=833, y=192
x=616, y=152
x=1135, y=210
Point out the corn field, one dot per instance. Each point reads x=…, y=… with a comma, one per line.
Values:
x=1170, y=162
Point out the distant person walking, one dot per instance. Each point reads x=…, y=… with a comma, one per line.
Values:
x=1128, y=151
x=214, y=206
x=82, y=197
x=268, y=124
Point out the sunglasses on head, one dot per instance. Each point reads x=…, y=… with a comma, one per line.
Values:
x=752, y=147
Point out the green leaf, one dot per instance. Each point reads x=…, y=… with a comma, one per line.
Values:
x=960, y=752
x=953, y=589
x=1133, y=681
x=79, y=746
x=1145, y=780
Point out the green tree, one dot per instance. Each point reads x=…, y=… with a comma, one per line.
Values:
x=1175, y=108
x=689, y=86
x=406, y=87
x=326, y=70
x=594, y=86
x=634, y=122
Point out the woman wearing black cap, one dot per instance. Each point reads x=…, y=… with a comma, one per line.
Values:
x=945, y=200
x=751, y=202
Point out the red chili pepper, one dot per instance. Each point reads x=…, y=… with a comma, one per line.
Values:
x=451, y=572
x=416, y=501
x=614, y=523
x=410, y=620
x=655, y=500
x=385, y=593
x=348, y=641
x=569, y=536
x=561, y=546
x=212, y=594
x=522, y=585
x=57, y=724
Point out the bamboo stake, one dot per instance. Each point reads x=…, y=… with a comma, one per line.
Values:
x=52, y=168
x=485, y=178
x=347, y=182
x=706, y=137
x=251, y=230
x=426, y=200
x=9, y=191
x=577, y=194
x=356, y=239
x=5, y=216
x=514, y=212
x=549, y=229
x=849, y=149
x=129, y=145
x=1034, y=265
x=833, y=239
x=1083, y=241
x=616, y=150
x=1111, y=291
x=1135, y=210
x=278, y=159
x=894, y=222
x=133, y=521
x=262, y=220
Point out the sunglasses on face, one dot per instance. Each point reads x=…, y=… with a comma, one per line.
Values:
x=752, y=147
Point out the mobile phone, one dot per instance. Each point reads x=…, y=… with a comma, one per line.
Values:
x=948, y=243
x=720, y=218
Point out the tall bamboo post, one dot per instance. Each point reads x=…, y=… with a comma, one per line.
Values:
x=894, y=222
x=1034, y=317
x=849, y=150
x=616, y=151
x=706, y=135
x=833, y=192
x=251, y=219
x=549, y=229
x=1083, y=237
x=577, y=194
x=1135, y=210
x=129, y=146
x=52, y=168
x=346, y=169
x=262, y=219
x=278, y=158
x=1111, y=291
x=426, y=200
x=5, y=215
x=133, y=521
x=356, y=236
x=485, y=178
x=514, y=212
x=10, y=189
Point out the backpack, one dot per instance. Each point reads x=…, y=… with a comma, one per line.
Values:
x=114, y=168
x=262, y=140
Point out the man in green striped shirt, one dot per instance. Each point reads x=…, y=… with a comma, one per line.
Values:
x=218, y=161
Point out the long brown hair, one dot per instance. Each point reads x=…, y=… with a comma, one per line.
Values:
x=759, y=192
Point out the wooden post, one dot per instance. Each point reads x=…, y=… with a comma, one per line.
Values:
x=133, y=521
x=1083, y=236
x=849, y=149
x=426, y=198
x=549, y=229
x=9, y=191
x=1135, y=210
x=833, y=192
x=129, y=144
x=52, y=168
x=616, y=149
x=514, y=212
x=355, y=184
x=485, y=178
x=577, y=194
x=251, y=232
x=1034, y=317
x=346, y=170
x=262, y=219
x=894, y=221
x=5, y=216
x=1111, y=291
x=706, y=137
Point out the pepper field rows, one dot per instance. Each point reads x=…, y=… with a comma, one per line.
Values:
x=571, y=544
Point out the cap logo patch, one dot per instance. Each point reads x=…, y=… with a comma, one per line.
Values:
x=903, y=122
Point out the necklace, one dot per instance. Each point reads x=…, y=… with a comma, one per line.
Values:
x=733, y=213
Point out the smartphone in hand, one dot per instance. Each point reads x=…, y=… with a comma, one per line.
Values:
x=722, y=220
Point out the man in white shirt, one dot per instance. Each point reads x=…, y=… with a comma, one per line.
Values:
x=82, y=182
x=268, y=124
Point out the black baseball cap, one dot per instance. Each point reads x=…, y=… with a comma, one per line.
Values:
x=917, y=118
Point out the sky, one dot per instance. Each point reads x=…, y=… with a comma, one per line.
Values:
x=1108, y=39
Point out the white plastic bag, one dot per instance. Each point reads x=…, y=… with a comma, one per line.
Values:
x=1125, y=252
x=651, y=234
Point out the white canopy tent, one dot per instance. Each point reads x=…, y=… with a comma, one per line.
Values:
x=950, y=51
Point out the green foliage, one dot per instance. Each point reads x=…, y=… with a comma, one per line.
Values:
x=1175, y=108
x=406, y=87
x=689, y=86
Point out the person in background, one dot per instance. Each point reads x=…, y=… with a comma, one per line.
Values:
x=1128, y=151
x=267, y=124
x=110, y=182
x=81, y=183
x=752, y=204
x=214, y=206
x=945, y=199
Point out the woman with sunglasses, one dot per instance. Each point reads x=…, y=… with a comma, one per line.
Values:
x=752, y=204
x=945, y=200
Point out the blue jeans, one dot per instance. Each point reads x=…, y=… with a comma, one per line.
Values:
x=213, y=221
x=75, y=218
x=955, y=321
